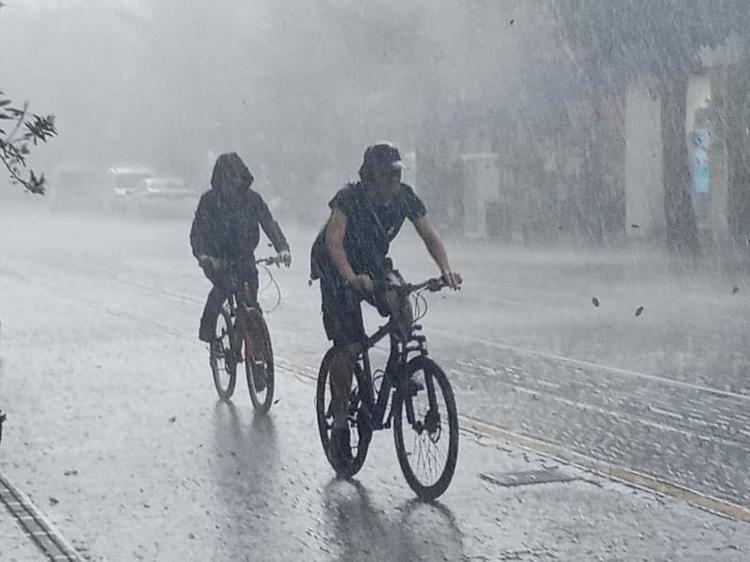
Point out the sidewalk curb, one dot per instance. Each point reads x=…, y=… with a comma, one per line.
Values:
x=610, y=471
x=604, y=469
x=36, y=525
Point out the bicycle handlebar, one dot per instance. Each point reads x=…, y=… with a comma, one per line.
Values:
x=433, y=285
x=229, y=264
x=273, y=260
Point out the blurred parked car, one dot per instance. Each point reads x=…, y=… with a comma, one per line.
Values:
x=164, y=197
x=123, y=183
x=78, y=189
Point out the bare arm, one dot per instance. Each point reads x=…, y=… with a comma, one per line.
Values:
x=433, y=243
x=436, y=248
x=335, y=232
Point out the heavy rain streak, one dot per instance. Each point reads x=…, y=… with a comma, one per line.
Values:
x=341, y=280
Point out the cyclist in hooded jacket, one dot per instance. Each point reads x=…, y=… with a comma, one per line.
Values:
x=226, y=230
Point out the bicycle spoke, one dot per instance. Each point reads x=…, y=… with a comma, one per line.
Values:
x=432, y=460
x=429, y=452
x=429, y=460
x=419, y=454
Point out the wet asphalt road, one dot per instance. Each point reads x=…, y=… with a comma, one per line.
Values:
x=666, y=393
x=107, y=308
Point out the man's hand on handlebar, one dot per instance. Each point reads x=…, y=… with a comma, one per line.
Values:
x=284, y=258
x=209, y=263
x=452, y=279
x=361, y=282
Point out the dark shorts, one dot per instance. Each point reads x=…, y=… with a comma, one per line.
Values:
x=342, y=311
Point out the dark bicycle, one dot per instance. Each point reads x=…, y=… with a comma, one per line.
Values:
x=243, y=336
x=413, y=392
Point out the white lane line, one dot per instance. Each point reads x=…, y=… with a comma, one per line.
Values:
x=518, y=349
x=465, y=338
x=584, y=406
x=564, y=454
x=611, y=471
x=495, y=344
x=589, y=364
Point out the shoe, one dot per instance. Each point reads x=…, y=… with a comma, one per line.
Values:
x=238, y=348
x=414, y=387
x=216, y=348
x=341, y=450
x=259, y=376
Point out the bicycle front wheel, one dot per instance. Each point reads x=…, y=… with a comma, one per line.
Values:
x=222, y=358
x=259, y=368
x=425, y=429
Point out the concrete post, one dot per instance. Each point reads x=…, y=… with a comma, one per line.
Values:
x=645, y=215
x=481, y=187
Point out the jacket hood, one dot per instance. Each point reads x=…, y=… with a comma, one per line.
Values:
x=231, y=172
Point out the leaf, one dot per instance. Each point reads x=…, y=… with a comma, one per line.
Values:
x=735, y=290
x=595, y=301
x=639, y=311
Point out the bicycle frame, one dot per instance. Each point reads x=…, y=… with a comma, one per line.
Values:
x=241, y=308
x=401, y=347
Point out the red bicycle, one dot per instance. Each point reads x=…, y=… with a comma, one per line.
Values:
x=243, y=337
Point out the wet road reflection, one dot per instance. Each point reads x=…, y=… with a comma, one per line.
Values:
x=412, y=531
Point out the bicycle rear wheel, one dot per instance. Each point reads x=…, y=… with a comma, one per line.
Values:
x=223, y=362
x=428, y=452
x=259, y=368
x=359, y=421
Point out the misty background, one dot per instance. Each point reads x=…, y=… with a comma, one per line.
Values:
x=299, y=89
x=586, y=162
x=537, y=121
